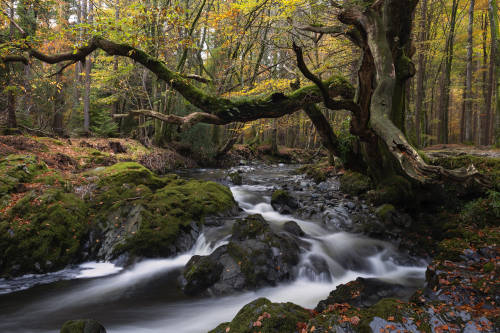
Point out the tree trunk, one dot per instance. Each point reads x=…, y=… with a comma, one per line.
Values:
x=87, y=12
x=496, y=38
x=422, y=37
x=11, y=96
x=494, y=71
x=466, y=128
x=444, y=100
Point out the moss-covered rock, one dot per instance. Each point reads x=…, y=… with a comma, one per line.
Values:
x=318, y=172
x=82, y=326
x=42, y=232
x=130, y=173
x=394, y=190
x=283, y=202
x=166, y=209
x=355, y=183
x=255, y=256
x=363, y=292
x=201, y=273
x=236, y=178
x=264, y=316
x=385, y=211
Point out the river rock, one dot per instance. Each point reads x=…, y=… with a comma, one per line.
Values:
x=254, y=257
x=283, y=202
x=293, y=228
x=82, y=326
x=236, y=178
x=363, y=292
x=263, y=316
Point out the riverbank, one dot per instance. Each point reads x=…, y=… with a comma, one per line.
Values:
x=343, y=244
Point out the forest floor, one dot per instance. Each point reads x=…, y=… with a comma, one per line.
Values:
x=459, y=149
x=77, y=154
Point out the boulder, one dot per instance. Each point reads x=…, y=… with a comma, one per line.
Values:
x=363, y=292
x=82, y=326
x=236, y=178
x=293, y=228
x=254, y=257
x=283, y=202
x=263, y=316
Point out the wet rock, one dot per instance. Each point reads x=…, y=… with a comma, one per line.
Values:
x=203, y=273
x=82, y=326
x=363, y=292
x=283, y=202
x=254, y=257
x=236, y=178
x=316, y=269
x=293, y=228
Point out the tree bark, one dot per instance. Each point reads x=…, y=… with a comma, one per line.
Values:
x=466, y=128
x=444, y=99
x=87, y=11
x=422, y=37
x=493, y=74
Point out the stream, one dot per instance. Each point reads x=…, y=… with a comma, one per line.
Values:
x=146, y=297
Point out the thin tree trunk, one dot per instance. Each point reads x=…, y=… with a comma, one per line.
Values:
x=88, y=69
x=422, y=37
x=484, y=112
x=11, y=97
x=444, y=99
x=493, y=75
x=466, y=128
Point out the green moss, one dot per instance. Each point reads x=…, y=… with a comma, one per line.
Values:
x=489, y=267
x=44, y=140
x=131, y=173
x=169, y=210
x=394, y=190
x=42, y=229
x=263, y=316
x=355, y=183
x=490, y=166
x=236, y=178
x=16, y=169
x=251, y=227
x=314, y=171
x=483, y=211
x=453, y=248
x=82, y=326
x=384, y=211
x=279, y=195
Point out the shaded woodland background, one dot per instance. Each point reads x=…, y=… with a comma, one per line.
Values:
x=237, y=49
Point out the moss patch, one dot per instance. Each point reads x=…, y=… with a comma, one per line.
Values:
x=489, y=166
x=355, y=183
x=318, y=172
x=42, y=232
x=17, y=169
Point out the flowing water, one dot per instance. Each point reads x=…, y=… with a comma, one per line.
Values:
x=145, y=297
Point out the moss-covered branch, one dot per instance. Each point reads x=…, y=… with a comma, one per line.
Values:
x=228, y=110
x=184, y=122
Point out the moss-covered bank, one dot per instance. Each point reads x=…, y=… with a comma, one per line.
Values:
x=51, y=219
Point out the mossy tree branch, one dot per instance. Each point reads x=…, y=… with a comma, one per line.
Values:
x=227, y=110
